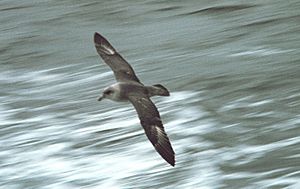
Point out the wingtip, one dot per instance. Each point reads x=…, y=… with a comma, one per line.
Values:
x=103, y=45
x=172, y=163
x=97, y=38
x=167, y=154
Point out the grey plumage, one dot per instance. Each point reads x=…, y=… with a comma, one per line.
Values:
x=129, y=88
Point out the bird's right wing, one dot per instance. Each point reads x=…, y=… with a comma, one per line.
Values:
x=151, y=122
x=122, y=70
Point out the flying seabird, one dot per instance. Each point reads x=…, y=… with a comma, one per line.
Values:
x=129, y=88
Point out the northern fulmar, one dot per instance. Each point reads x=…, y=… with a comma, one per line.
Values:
x=129, y=88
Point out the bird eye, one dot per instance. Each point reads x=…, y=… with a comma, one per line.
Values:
x=108, y=92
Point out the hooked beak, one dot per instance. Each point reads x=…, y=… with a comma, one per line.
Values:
x=100, y=98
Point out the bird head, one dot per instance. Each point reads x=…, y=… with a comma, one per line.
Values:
x=107, y=93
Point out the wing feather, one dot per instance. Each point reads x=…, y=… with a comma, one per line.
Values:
x=122, y=70
x=152, y=124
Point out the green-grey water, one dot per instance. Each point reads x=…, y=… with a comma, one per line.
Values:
x=233, y=116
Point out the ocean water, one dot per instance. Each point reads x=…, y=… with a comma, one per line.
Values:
x=233, y=117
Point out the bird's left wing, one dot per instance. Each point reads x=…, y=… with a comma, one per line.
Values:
x=151, y=122
x=122, y=70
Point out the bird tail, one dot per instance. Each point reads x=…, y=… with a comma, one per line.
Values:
x=158, y=90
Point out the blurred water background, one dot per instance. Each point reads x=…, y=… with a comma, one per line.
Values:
x=233, y=116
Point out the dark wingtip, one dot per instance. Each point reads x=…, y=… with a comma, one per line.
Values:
x=172, y=163
x=98, y=38
x=166, y=152
x=102, y=45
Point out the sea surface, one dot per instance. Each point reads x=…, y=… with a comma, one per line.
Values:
x=233, y=117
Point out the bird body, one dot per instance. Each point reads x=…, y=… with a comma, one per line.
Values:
x=120, y=91
x=129, y=88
